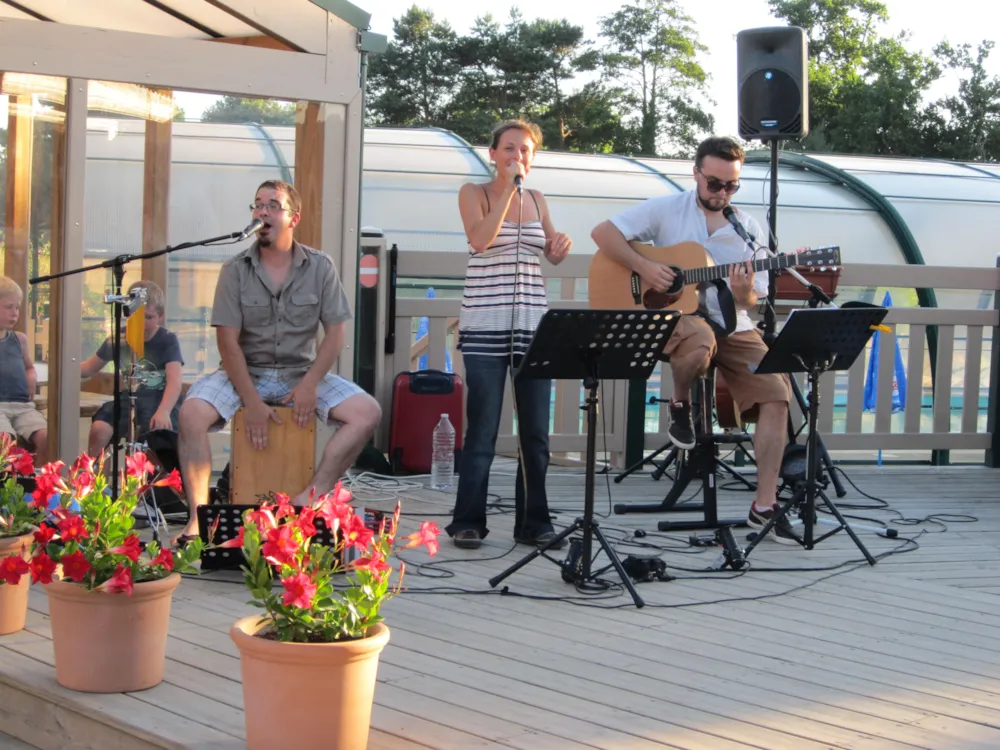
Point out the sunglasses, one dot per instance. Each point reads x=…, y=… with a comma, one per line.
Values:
x=715, y=185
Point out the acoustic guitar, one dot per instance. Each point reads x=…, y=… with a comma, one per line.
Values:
x=613, y=286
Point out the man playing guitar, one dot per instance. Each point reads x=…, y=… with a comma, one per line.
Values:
x=721, y=331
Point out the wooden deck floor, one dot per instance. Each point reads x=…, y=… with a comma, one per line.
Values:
x=794, y=654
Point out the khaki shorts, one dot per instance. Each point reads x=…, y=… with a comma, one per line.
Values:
x=733, y=355
x=22, y=420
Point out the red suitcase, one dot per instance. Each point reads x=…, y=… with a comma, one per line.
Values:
x=418, y=401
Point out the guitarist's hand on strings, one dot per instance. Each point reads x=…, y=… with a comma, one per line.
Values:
x=741, y=283
x=657, y=276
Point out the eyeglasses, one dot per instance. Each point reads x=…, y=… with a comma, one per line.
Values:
x=271, y=206
x=715, y=185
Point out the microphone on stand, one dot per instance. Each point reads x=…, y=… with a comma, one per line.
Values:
x=517, y=182
x=252, y=228
x=732, y=218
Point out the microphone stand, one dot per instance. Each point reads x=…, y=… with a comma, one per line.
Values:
x=117, y=266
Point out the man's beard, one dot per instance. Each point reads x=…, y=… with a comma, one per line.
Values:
x=263, y=241
x=708, y=206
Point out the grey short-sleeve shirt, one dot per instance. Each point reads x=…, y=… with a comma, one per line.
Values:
x=278, y=330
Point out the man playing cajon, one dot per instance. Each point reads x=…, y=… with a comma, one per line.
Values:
x=269, y=304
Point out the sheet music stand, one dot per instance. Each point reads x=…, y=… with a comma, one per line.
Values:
x=814, y=342
x=593, y=345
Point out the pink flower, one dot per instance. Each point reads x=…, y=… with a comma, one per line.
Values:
x=299, y=591
x=305, y=522
x=72, y=528
x=120, y=582
x=165, y=558
x=427, y=536
x=12, y=568
x=84, y=463
x=172, y=480
x=356, y=534
x=75, y=566
x=138, y=466
x=237, y=541
x=21, y=461
x=375, y=564
x=280, y=547
x=42, y=567
x=83, y=484
x=131, y=549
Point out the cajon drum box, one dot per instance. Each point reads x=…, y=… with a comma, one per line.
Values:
x=285, y=465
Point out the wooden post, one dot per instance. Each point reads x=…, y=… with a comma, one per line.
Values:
x=993, y=405
x=17, y=233
x=66, y=326
x=156, y=199
x=309, y=143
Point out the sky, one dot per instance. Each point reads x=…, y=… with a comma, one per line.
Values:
x=717, y=23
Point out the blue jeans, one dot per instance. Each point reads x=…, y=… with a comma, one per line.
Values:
x=484, y=378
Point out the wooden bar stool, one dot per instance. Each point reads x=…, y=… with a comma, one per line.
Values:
x=285, y=465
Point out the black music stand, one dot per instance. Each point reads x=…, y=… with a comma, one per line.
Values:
x=593, y=345
x=814, y=342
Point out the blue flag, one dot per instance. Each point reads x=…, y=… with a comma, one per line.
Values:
x=871, y=378
x=423, y=329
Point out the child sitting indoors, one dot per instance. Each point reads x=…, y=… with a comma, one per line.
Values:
x=18, y=379
x=158, y=394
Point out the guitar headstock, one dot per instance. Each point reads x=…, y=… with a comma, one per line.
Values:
x=818, y=257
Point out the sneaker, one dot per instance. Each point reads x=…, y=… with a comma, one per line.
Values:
x=680, y=431
x=781, y=532
x=467, y=539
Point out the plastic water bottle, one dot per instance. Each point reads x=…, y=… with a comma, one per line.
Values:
x=443, y=454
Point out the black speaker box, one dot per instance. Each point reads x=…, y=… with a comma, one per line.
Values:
x=773, y=74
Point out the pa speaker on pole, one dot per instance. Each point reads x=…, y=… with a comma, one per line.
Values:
x=773, y=74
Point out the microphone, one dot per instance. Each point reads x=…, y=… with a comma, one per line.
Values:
x=517, y=182
x=733, y=219
x=252, y=228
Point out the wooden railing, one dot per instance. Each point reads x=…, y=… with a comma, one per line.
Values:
x=941, y=413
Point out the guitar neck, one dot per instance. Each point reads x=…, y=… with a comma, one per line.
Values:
x=711, y=273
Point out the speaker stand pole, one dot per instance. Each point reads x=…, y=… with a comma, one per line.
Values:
x=772, y=242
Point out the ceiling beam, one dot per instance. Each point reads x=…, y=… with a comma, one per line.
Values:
x=263, y=42
x=186, y=64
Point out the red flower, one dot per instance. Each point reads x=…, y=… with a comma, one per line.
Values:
x=172, y=480
x=305, y=522
x=84, y=463
x=12, y=568
x=131, y=549
x=299, y=591
x=356, y=534
x=165, y=558
x=263, y=519
x=280, y=547
x=138, y=466
x=335, y=512
x=75, y=566
x=42, y=567
x=427, y=536
x=47, y=483
x=237, y=541
x=21, y=461
x=45, y=534
x=72, y=528
x=83, y=484
x=120, y=582
x=375, y=564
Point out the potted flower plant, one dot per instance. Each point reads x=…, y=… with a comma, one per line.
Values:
x=311, y=658
x=109, y=594
x=18, y=519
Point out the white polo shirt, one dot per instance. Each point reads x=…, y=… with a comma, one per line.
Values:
x=671, y=219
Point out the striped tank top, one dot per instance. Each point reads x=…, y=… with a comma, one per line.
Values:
x=495, y=302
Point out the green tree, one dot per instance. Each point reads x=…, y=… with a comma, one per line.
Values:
x=262, y=111
x=651, y=52
x=866, y=91
x=967, y=124
x=414, y=81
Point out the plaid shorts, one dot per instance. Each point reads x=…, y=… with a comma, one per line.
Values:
x=272, y=386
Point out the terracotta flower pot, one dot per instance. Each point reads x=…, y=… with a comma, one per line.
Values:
x=110, y=643
x=310, y=696
x=14, y=599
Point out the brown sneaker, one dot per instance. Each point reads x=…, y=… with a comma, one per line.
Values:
x=781, y=532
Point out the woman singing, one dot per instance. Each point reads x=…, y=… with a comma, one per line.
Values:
x=503, y=302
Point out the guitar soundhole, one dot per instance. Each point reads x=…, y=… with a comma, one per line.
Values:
x=653, y=300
